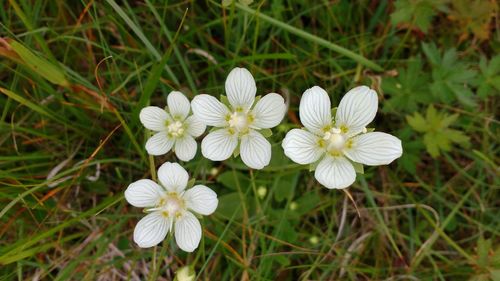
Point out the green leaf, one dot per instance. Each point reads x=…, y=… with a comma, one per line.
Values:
x=230, y=204
x=231, y=179
x=191, y=183
x=451, y=77
x=358, y=167
x=483, y=247
x=284, y=185
x=409, y=89
x=437, y=134
x=415, y=13
x=236, y=152
x=417, y=122
x=40, y=65
x=266, y=132
x=225, y=101
x=488, y=81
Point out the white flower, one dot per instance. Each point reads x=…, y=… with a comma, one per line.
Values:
x=170, y=205
x=174, y=129
x=240, y=123
x=337, y=143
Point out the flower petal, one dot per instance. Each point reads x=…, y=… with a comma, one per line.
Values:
x=151, y=230
x=178, y=105
x=269, y=111
x=209, y=110
x=240, y=88
x=255, y=150
x=201, y=199
x=143, y=193
x=335, y=172
x=219, y=145
x=357, y=109
x=374, y=148
x=187, y=232
x=315, y=109
x=194, y=126
x=173, y=177
x=185, y=148
x=154, y=118
x=159, y=144
x=302, y=146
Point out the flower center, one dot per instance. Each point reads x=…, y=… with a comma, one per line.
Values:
x=239, y=121
x=175, y=129
x=335, y=139
x=172, y=205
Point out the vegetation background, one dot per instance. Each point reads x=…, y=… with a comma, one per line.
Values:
x=75, y=74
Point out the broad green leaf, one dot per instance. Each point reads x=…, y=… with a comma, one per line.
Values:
x=231, y=179
x=284, y=186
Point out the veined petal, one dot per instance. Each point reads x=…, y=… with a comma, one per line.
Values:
x=187, y=232
x=240, y=88
x=209, y=110
x=173, y=177
x=178, y=105
x=219, y=145
x=194, y=126
x=315, y=109
x=302, y=146
x=151, y=230
x=255, y=150
x=185, y=148
x=335, y=172
x=143, y=193
x=201, y=199
x=154, y=118
x=374, y=148
x=269, y=111
x=357, y=109
x=159, y=144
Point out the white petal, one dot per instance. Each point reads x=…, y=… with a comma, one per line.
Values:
x=173, y=177
x=151, y=230
x=185, y=148
x=269, y=111
x=201, y=199
x=302, y=146
x=187, y=232
x=315, y=109
x=255, y=150
x=335, y=172
x=375, y=148
x=209, y=110
x=219, y=145
x=154, y=118
x=143, y=193
x=194, y=126
x=357, y=109
x=159, y=144
x=240, y=88
x=178, y=105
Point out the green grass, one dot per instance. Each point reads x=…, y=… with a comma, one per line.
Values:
x=69, y=103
